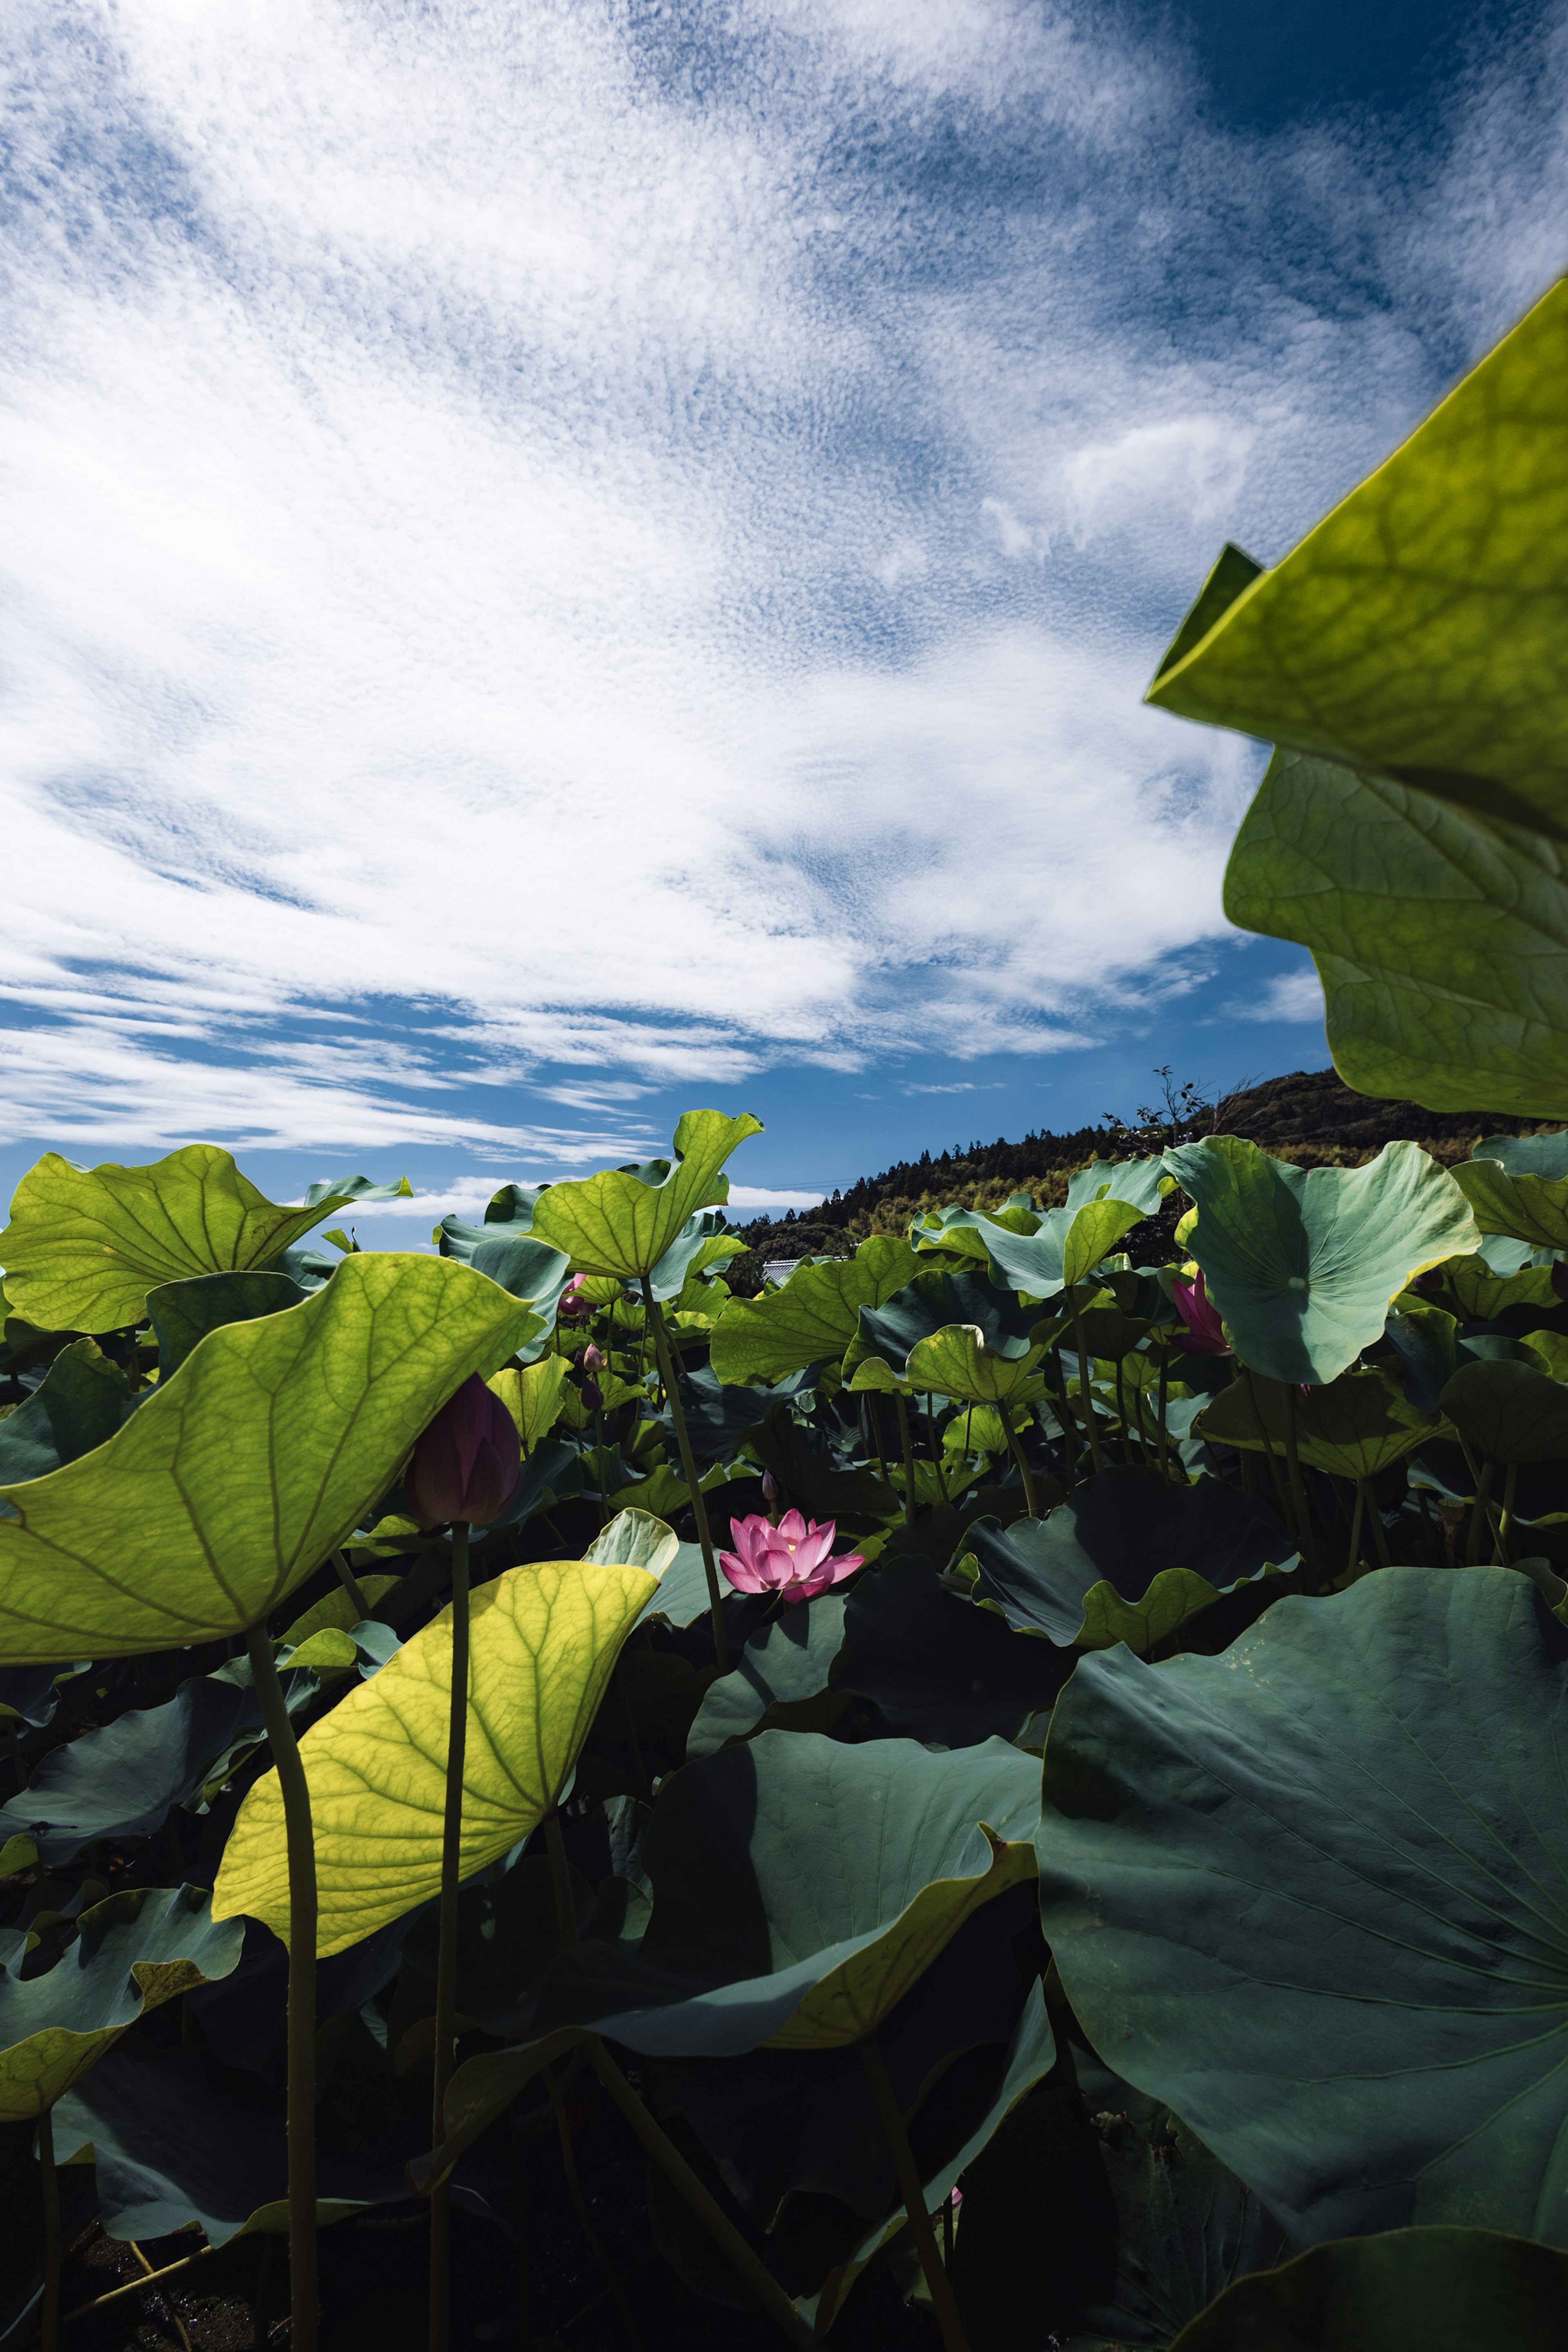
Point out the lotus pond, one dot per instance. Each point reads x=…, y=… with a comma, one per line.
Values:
x=1016, y=1782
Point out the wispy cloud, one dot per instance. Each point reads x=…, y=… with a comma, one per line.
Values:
x=1290, y=996
x=569, y=519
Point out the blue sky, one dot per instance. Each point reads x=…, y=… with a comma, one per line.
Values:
x=561, y=562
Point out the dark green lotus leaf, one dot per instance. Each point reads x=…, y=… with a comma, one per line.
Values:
x=702, y=1240
x=182, y=1313
x=131, y=1953
x=551, y=1472
x=1142, y=1183
x=508, y=1935
x=1127, y=1558
x=1509, y=1412
x=1514, y=1202
x=1408, y=2291
x=790, y=1659
x=513, y=1204
x=1406, y=656
x=1427, y=1342
x=173, y=2144
x=813, y=1317
x=31, y=1694
x=809, y=1479
x=718, y=1415
x=1353, y=1427
x=1302, y=1263
x=959, y=1232
x=78, y=1404
x=937, y=1669
x=529, y=1270
x=932, y=1302
x=122, y=1781
x=1070, y=1242
x=1543, y=1156
x=1096, y=2216
x=1310, y=1892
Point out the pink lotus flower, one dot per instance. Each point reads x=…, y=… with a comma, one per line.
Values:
x=791, y=1560
x=572, y=1308
x=466, y=1463
x=593, y=1359
x=1204, y=1334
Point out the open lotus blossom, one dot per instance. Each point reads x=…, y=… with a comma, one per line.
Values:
x=1204, y=1334
x=791, y=1560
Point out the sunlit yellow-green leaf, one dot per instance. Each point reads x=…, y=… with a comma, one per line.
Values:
x=86, y=1245
x=956, y=1362
x=544, y=1641
x=533, y=1396
x=812, y=1318
x=1532, y=1209
x=233, y=1481
x=337, y=1610
x=620, y=1224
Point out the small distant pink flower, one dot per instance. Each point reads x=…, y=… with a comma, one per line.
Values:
x=571, y=1306
x=791, y=1560
x=1204, y=1334
x=593, y=1359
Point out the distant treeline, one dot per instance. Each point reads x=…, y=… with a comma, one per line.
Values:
x=1310, y=1117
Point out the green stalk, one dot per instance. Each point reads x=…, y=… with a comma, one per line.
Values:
x=560, y=1881
x=1298, y=1484
x=351, y=1585
x=1124, y=1434
x=1356, y=1517
x=1481, y=1480
x=1505, y=1525
x=296, y=1794
x=1379, y=1532
x=1086, y=1383
x=1243, y=1372
x=912, y=2190
x=1160, y=1414
x=874, y=1412
x=698, y=1502
x=1031, y=1501
x=1069, y=1426
x=446, y=1949
x=680, y=2175
x=596, y=2245
x=934, y=1448
x=50, y=2186
x=909, y=1460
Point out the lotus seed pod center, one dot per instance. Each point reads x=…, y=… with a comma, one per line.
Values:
x=1297, y=1282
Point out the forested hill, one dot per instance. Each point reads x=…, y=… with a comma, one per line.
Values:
x=1310, y=1117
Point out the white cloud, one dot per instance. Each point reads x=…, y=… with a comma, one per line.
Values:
x=1290, y=996
x=617, y=559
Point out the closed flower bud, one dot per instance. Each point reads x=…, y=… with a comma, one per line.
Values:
x=466, y=1463
x=592, y=1396
x=593, y=1359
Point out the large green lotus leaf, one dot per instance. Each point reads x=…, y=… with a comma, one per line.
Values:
x=1302, y=1263
x=1544, y=1156
x=937, y=1669
x=1509, y=1412
x=1095, y=2216
x=800, y=1889
x=814, y=1317
x=1407, y=657
x=637, y=1539
x=789, y=1660
x=1530, y=1208
x=701, y=1242
x=544, y=1640
x=182, y=1313
x=1142, y=1183
x=230, y=1484
x=1407, y=2291
x=1353, y=1428
x=957, y=1362
x=1069, y=1245
x=623, y=1221
x=133, y=1953
x=964, y=1233
x=1128, y=1558
x=533, y=1396
x=79, y=1403
x=86, y=1245
x=933, y=1303
x=1310, y=1892
x=718, y=1416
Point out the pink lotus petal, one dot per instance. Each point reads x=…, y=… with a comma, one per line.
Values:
x=792, y=1528
x=741, y=1574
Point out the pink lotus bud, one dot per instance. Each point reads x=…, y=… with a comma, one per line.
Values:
x=571, y=1306
x=769, y=1488
x=592, y=1396
x=593, y=1359
x=466, y=1463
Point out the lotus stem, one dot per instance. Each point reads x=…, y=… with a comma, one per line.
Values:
x=1031, y=1500
x=596, y=2246
x=139, y=2285
x=351, y=1585
x=50, y=2186
x=446, y=1949
x=1160, y=1413
x=1481, y=1479
x=935, y=1447
x=1085, y=1383
x=560, y=1882
x=1244, y=1373
x=1505, y=1525
x=909, y=1460
x=1379, y=1532
x=874, y=1414
x=711, y=2215
x=296, y=1794
x=912, y=2190
x=699, y=1505
x=1353, y=1562
x=1124, y=1433
x=1068, y=1425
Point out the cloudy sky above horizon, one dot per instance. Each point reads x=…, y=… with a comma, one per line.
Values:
x=560, y=561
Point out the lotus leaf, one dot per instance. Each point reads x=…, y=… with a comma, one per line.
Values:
x=937, y=1669
x=532, y=1395
x=1142, y=1183
x=338, y=1610
x=1529, y=1208
x=933, y=1303
x=1543, y=1156
x=229, y=1485
x=182, y=1313
x=1302, y=1263
x=1127, y=1558
x=956, y=1361
x=131, y=1953
x=543, y=1640
x=1405, y=657
x=814, y=1317
x=1308, y=1892
x=622, y=1222
x=718, y=1416
x=1353, y=1428
x=790, y=1659
x=1408, y=2291
x=85, y=1245
x=78, y=1404
x=1069, y=1245
x=1509, y=1412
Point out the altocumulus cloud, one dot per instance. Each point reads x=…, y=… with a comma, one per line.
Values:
x=640, y=532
